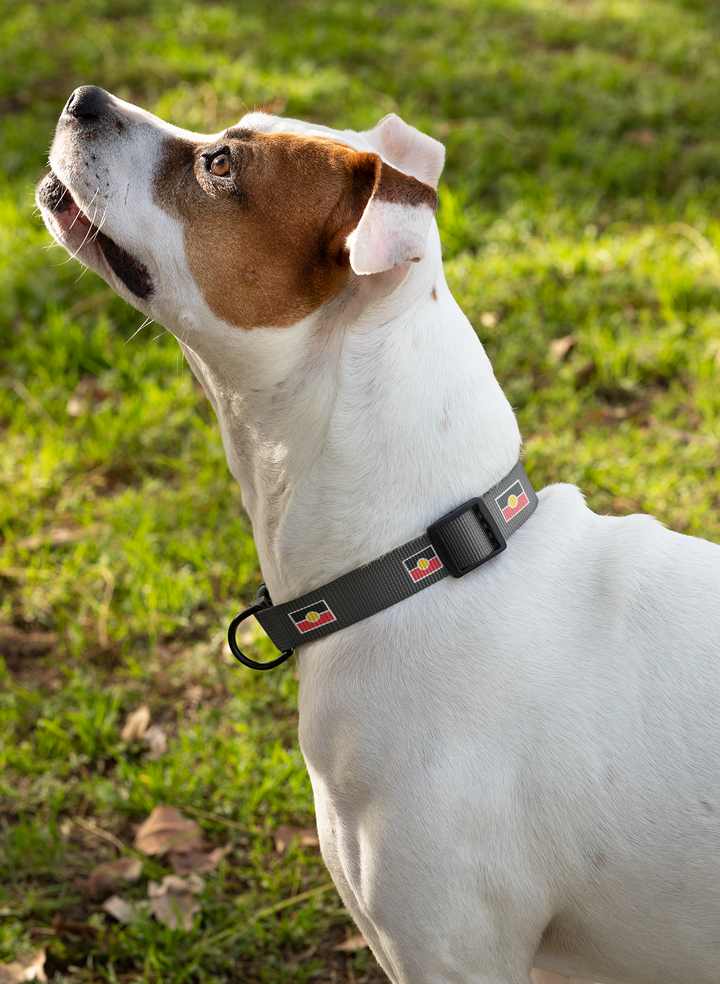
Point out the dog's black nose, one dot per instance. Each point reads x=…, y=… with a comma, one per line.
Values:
x=88, y=101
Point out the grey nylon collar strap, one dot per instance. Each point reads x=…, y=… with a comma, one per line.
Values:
x=455, y=545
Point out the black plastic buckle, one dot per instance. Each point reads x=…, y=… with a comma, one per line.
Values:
x=262, y=600
x=442, y=547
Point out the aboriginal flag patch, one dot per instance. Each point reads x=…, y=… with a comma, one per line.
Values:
x=312, y=616
x=512, y=501
x=421, y=564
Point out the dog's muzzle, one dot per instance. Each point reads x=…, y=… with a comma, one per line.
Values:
x=53, y=195
x=89, y=111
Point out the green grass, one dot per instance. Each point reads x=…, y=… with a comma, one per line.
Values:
x=580, y=199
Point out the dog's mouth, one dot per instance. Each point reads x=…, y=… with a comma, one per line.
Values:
x=56, y=198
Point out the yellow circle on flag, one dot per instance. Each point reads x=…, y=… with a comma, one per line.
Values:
x=423, y=564
x=312, y=616
x=512, y=501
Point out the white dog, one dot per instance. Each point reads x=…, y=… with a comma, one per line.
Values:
x=517, y=767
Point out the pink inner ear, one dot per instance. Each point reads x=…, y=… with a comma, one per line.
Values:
x=395, y=224
x=388, y=233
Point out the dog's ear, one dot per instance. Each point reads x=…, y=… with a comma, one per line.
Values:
x=407, y=149
x=388, y=212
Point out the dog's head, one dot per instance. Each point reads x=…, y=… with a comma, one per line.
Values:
x=260, y=225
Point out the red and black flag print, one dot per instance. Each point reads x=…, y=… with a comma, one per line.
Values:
x=421, y=564
x=312, y=616
x=512, y=501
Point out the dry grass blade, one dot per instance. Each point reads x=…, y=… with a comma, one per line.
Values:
x=216, y=818
x=262, y=913
x=28, y=398
x=93, y=828
x=279, y=906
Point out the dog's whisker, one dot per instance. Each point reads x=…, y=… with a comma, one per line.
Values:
x=96, y=226
x=84, y=211
x=101, y=223
x=181, y=358
x=89, y=235
x=148, y=321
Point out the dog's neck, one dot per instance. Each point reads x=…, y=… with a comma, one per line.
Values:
x=349, y=435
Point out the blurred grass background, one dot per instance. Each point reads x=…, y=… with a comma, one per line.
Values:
x=579, y=216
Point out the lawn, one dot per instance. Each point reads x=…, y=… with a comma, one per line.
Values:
x=580, y=218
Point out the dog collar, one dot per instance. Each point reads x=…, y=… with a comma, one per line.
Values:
x=457, y=543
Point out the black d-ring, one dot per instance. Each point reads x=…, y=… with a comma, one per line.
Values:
x=235, y=650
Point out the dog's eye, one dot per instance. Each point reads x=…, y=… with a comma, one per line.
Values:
x=219, y=165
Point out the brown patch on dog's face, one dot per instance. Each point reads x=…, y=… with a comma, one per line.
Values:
x=266, y=217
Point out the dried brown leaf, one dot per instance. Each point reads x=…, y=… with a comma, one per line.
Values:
x=119, y=909
x=174, y=884
x=14, y=642
x=284, y=836
x=193, y=696
x=73, y=928
x=351, y=945
x=172, y=910
x=183, y=864
x=25, y=969
x=156, y=740
x=645, y=138
x=99, y=883
x=86, y=392
x=167, y=830
x=196, y=884
x=105, y=877
x=126, y=869
x=56, y=538
x=172, y=901
x=301, y=958
x=136, y=724
x=608, y=415
x=585, y=373
x=559, y=347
